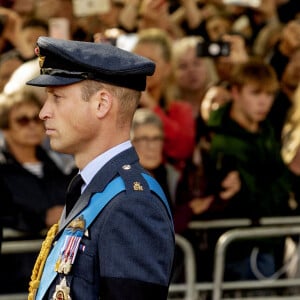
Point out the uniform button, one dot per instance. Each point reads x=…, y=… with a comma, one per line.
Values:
x=126, y=167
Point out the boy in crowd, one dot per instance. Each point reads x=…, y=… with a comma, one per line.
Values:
x=243, y=136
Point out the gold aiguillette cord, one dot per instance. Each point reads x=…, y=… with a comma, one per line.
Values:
x=40, y=262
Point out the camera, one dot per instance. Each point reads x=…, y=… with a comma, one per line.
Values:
x=213, y=49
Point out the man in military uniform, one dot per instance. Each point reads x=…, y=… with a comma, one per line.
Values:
x=115, y=239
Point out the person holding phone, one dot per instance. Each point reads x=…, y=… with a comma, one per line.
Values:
x=176, y=115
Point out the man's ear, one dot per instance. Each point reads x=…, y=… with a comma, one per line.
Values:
x=103, y=102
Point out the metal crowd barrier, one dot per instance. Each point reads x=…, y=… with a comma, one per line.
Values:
x=244, y=229
x=191, y=290
x=189, y=287
x=16, y=242
x=28, y=246
x=246, y=234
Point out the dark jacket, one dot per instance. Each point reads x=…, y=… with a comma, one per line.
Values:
x=25, y=197
x=128, y=252
x=265, y=181
x=257, y=158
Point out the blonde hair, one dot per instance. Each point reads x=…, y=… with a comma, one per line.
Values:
x=158, y=37
x=291, y=130
x=180, y=47
x=161, y=38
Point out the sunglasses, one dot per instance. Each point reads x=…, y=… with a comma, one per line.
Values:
x=25, y=120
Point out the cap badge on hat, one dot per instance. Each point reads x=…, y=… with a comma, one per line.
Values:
x=41, y=58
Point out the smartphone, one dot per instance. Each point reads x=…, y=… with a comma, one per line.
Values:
x=59, y=28
x=213, y=49
x=247, y=3
x=84, y=8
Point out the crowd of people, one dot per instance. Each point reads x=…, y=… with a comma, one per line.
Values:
x=217, y=125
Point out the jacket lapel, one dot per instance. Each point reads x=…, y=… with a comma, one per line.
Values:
x=98, y=183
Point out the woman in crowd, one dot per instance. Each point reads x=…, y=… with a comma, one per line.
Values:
x=177, y=116
x=147, y=135
x=32, y=185
x=192, y=76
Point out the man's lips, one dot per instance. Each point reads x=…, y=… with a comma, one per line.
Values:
x=49, y=130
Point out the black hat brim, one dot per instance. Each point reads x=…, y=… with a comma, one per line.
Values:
x=50, y=80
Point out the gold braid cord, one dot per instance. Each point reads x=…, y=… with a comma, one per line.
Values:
x=40, y=262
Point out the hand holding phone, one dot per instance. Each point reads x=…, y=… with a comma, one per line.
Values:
x=238, y=51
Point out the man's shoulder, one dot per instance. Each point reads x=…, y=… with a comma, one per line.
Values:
x=140, y=187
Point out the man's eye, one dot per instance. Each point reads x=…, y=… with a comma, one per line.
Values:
x=56, y=97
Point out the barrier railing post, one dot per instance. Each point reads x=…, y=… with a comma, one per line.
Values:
x=190, y=266
x=240, y=234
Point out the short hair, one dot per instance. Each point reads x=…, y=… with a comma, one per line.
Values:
x=128, y=98
x=10, y=101
x=158, y=37
x=255, y=71
x=145, y=116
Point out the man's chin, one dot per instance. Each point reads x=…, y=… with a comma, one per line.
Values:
x=58, y=148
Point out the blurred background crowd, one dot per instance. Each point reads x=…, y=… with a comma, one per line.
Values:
x=218, y=124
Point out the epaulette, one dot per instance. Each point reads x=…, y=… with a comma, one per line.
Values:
x=136, y=179
x=133, y=179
